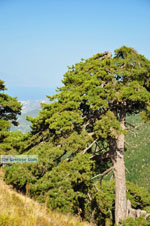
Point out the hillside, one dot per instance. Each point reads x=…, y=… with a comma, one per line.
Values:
x=137, y=156
x=19, y=210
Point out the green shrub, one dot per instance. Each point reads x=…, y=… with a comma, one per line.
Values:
x=138, y=222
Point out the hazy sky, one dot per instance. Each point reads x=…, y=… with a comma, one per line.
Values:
x=40, y=38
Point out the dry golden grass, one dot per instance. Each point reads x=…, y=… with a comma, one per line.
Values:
x=19, y=210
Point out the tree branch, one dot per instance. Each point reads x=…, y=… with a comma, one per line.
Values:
x=134, y=133
x=101, y=156
x=126, y=169
x=89, y=196
x=96, y=187
x=86, y=149
x=91, y=134
x=86, y=124
x=106, y=54
x=127, y=143
x=129, y=124
x=105, y=173
x=147, y=215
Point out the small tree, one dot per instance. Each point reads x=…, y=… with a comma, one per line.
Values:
x=9, y=109
x=97, y=95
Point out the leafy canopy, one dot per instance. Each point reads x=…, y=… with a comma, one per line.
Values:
x=95, y=92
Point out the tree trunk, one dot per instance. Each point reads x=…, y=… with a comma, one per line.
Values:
x=120, y=188
x=117, y=156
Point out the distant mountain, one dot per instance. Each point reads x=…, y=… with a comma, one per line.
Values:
x=31, y=108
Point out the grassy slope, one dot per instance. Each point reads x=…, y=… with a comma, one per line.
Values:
x=19, y=210
x=137, y=156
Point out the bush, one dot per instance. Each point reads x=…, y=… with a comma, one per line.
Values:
x=138, y=222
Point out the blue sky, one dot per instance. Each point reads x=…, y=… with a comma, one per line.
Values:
x=40, y=38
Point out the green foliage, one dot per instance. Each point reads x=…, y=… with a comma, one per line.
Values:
x=138, y=222
x=13, y=142
x=140, y=198
x=95, y=92
x=68, y=187
x=71, y=134
x=9, y=108
x=111, y=129
x=19, y=176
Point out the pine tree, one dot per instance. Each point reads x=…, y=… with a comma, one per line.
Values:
x=93, y=104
